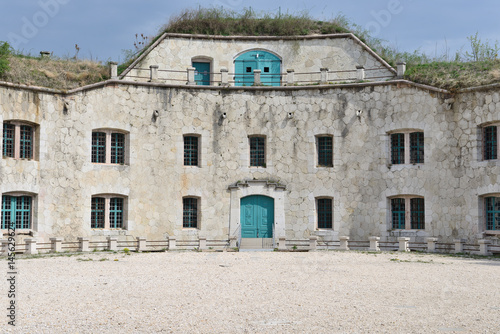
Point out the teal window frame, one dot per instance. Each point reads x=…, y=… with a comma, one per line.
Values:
x=492, y=206
x=117, y=148
x=98, y=147
x=190, y=212
x=8, y=140
x=17, y=211
x=416, y=147
x=490, y=151
x=191, y=150
x=397, y=148
x=257, y=151
x=116, y=212
x=26, y=142
x=398, y=211
x=325, y=151
x=325, y=213
x=98, y=210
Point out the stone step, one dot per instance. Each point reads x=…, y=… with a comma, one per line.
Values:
x=256, y=243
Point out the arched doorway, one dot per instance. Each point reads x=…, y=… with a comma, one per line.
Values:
x=268, y=63
x=257, y=216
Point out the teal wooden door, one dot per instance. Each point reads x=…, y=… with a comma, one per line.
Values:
x=202, y=73
x=269, y=64
x=257, y=217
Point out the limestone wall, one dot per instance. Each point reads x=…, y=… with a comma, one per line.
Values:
x=303, y=55
x=154, y=180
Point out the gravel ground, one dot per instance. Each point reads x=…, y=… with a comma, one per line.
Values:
x=255, y=292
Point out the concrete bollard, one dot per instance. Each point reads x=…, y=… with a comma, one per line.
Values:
x=171, y=243
x=141, y=244
x=203, y=243
x=360, y=73
x=313, y=243
x=282, y=243
x=403, y=244
x=459, y=245
x=5, y=246
x=84, y=244
x=190, y=76
x=153, y=73
x=483, y=247
x=324, y=75
x=112, y=243
x=224, y=78
x=232, y=241
x=401, y=70
x=113, y=69
x=344, y=243
x=290, y=77
x=374, y=246
x=431, y=245
x=56, y=245
x=30, y=246
x=256, y=77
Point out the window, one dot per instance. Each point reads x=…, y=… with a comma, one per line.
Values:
x=324, y=209
x=108, y=147
x=492, y=205
x=407, y=213
x=190, y=212
x=18, y=140
x=257, y=151
x=407, y=147
x=16, y=211
x=490, y=135
x=325, y=151
x=107, y=212
x=191, y=151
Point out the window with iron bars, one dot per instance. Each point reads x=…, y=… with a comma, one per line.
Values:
x=407, y=148
x=107, y=212
x=325, y=212
x=257, y=151
x=108, y=147
x=490, y=143
x=16, y=212
x=190, y=212
x=18, y=140
x=407, y=213
x=191, y=151
x=325, y=151
x=492, y=205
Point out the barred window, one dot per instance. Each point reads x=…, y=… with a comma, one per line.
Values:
x=325, y=151
x=490, y=151
x=98, y=147
x=18, y=140
x=190, y=212
x=108, y=147
x=190, y=151
x=325, y=215
x=407, y=147
x=257, y=151
x=97, y=216
x=107, y=211
x=116, y=213
x=397, y=148
x=408, y=212
x=117, y=148
x=16, y=212
x=417, y=147
x=492, y=205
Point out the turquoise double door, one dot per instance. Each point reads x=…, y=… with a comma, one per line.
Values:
x=269, y=64
x=257, y=217
x=201, y=73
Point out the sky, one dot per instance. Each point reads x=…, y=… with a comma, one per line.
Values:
x=103, y=29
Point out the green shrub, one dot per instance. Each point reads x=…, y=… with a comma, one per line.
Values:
x=5, y=52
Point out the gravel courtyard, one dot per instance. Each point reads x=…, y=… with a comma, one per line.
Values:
x=255, y=292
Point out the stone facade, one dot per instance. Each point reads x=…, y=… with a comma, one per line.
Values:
x=154, y=117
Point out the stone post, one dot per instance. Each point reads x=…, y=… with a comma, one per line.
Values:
x=44, y=54
x=374, y=247
x=313, y=242
x=84, y=244
x=282, y=243
x=112, y=244
x=483, y=247
x=30, y=246
x=224, y=77
x=153, y=73
x=203, y=243
x=401, y=70
x=360, y=73
x=324, y=75
x=141, y=244
x=113, y=68
x=190, y=76
x=344, y=243
x=56, y=245
x=431, y=245
x=5, y=246
x=459, y=245
x=232, y=241
x=290, y=77
x=403, y=244
x=171, y=243
x=256, y=77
